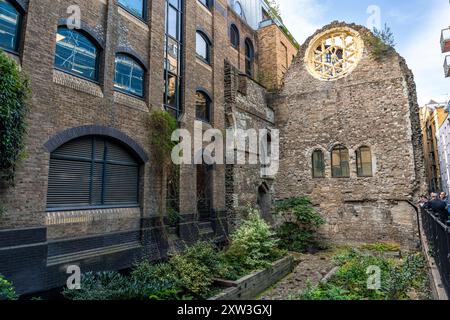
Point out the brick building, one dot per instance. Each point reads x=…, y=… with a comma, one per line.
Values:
x=90, y=191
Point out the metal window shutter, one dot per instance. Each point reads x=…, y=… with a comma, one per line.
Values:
x=121, y=185
x=68, y=183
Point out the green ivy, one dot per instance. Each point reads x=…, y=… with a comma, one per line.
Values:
x=14, y=92
x=162, y=125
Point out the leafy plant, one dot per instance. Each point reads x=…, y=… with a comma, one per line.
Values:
x=194, y=276
x=398, y=279
x=301, y=223
x=7, y=291
x=14, y=92
x=253, y=246
x=381, y=43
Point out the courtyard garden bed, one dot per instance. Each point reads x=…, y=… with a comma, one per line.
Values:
x=355, y=277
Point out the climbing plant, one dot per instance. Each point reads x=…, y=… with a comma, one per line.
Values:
x=381, y=43
x=14, y=92
x=162, y=125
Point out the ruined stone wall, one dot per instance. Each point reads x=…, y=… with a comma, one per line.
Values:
x=246, y=108
x=373, y=106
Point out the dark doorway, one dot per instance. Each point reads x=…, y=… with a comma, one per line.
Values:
x=204, y=191
x=265, y=202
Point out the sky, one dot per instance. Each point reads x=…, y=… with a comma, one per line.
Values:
x=416, y=25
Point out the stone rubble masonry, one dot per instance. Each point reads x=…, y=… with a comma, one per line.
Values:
x=374, y=106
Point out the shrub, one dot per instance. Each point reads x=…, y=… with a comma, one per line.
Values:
x=381, y=43
x=301, y=223
x=7, y=291
x=14, y=92
x=146, y=282
x=194, y=277
x=398, y=279
x=253, y=246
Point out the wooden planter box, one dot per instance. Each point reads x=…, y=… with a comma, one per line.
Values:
x=251, y=286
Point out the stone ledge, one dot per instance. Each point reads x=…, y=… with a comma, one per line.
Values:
x=85, y=216
x=256, y=283
x=130, y=101
x=70, y=81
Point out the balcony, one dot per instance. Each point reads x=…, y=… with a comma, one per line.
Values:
x=447, y=66
x=445, y=40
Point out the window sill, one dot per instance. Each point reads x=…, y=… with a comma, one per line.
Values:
x=132, y=17
x=62, y=216
x=130, y=101
x=68, y=80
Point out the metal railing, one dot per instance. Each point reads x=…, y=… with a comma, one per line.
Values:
x=438, y=236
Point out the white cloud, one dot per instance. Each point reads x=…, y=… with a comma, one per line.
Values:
x=301, y=17
x=423, y=55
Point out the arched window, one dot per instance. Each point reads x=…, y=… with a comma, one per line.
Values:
x=10, y=26
x=238, y=9
x=76, y=54
x=249, y=57
x=129, y=75
x=92, y=172
x=203, y=106
x=234, y=36
x=203, y=47
x=135, y=7
x=340, y=162
x=364, y=162
x=318, y=164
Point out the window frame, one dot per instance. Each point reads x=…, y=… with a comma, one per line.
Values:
x=104, y=162
x=209, y=103
x=144, y=16
x=21, y=13
x=359, y=163
x=234, y=28
x=249, y=58
x=144, y=81
x=94, y=42
x=208, y=44
x=179, y=76
x=314, y=175
x=340, y=148
x=208, y=4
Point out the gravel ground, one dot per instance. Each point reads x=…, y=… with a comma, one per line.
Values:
x=311, y=269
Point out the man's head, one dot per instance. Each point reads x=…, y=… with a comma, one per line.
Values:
x=443, y=195
x=434, y=196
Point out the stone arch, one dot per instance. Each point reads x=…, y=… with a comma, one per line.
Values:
x=132, y=54
x=87, y=30
x=96, y=130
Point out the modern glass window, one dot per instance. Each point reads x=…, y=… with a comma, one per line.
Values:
x=172, y=63
x=364, y=162
x=10, y=25
x=92, y=172
x=203, y=47
x=340, y=162
x=234, y=36
x=318, y=164
x=136, y=7
x=129, y=75
x=203, y=107
x=249, y=57
x=76, y=54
